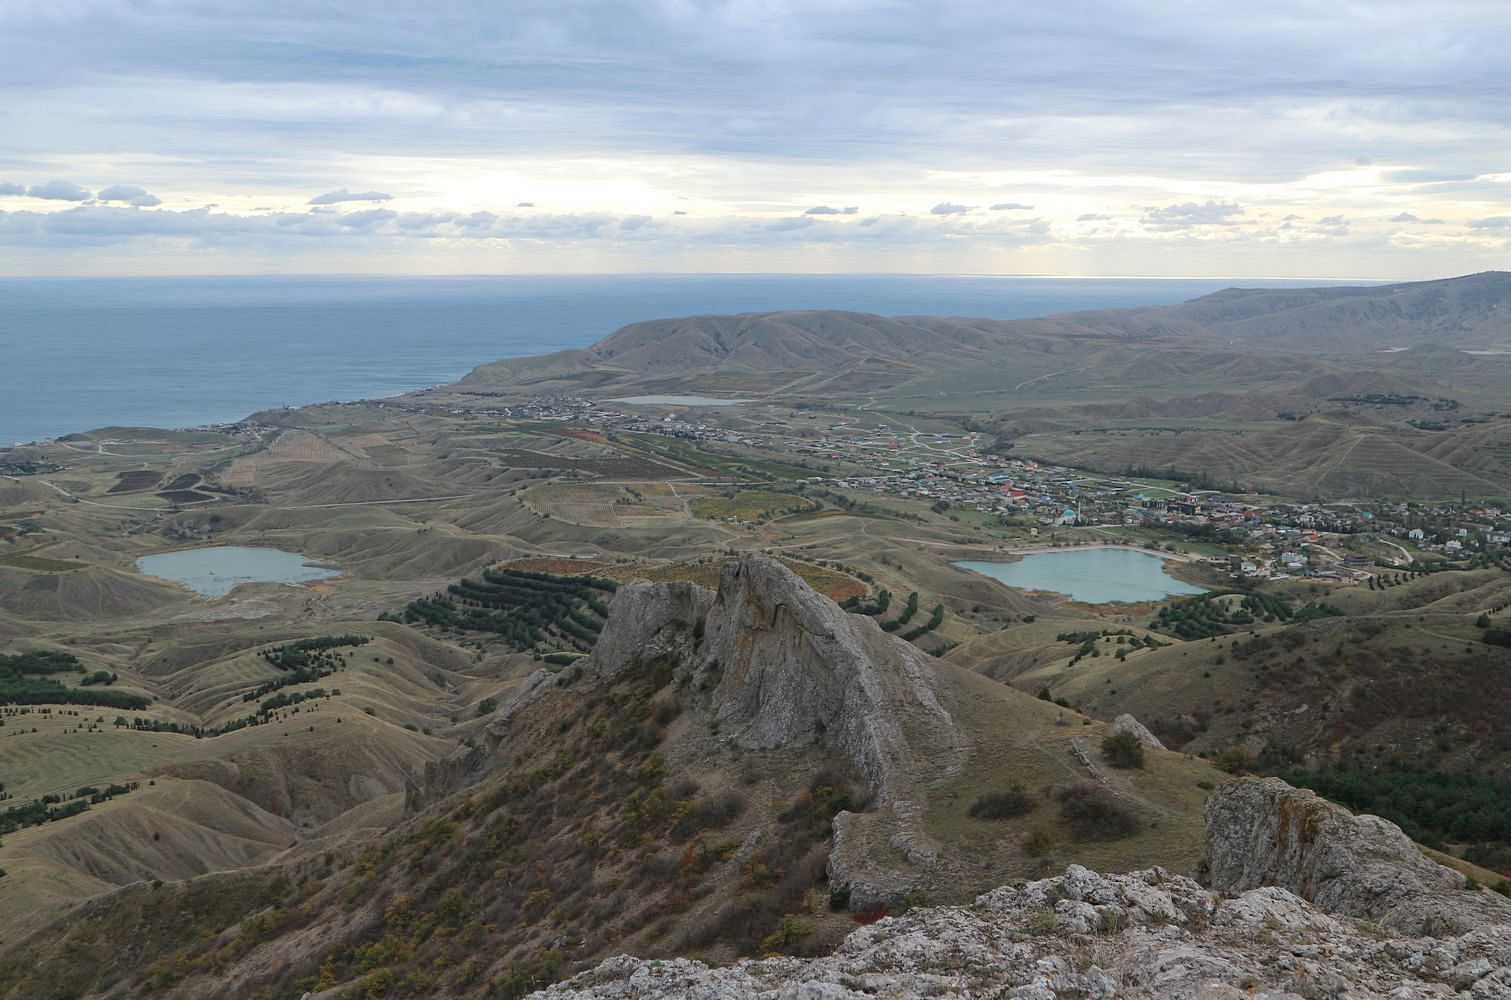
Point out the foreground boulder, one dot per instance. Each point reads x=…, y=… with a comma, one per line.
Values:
x=1261, y=831
x=1144, y=935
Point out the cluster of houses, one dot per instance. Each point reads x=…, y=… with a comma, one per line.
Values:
x=1280, y=537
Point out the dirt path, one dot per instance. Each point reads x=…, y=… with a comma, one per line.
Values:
x=96, y=503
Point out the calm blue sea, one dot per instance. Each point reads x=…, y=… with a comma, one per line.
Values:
x=76, y=354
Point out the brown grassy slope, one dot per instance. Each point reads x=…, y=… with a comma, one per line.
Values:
x=616, y=823
x=1403, y=688
x=1319, y=456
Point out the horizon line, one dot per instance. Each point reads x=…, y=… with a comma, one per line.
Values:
x=728, y=274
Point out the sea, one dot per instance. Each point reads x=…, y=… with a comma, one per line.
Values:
x=78, y=354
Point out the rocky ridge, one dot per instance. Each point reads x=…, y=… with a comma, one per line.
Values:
x=1364, y=931
x=773, y=664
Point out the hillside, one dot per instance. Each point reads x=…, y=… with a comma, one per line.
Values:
x=1411, y=374
x=724, y=765
x=1471, y=312
x=1305, y=900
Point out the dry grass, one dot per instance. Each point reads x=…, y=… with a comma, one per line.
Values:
x=747, y=505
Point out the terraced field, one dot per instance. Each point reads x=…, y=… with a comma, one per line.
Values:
x=748, y=505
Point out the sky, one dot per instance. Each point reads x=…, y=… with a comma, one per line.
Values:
x=1103, y=137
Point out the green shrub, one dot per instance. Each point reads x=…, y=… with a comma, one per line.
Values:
x=1093, y=813
x=1002, y=805
x=1123, y=749
x=1037, y=842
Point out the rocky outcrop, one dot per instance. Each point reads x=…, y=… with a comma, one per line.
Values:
x=649, y=621
x=1135, y=937
x=646, y=621
x=789, y=667
x=1261, y=831
x=774, y=664
x=1126, y=723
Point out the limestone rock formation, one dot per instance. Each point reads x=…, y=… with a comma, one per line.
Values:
x=1126, y=723
x=1261, y=831
x=1145, y=935
x=774, y=665
x=791, y=666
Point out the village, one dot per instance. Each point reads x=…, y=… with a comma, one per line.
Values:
x=1250, y=534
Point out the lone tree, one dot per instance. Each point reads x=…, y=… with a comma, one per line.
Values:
x=1123, y=750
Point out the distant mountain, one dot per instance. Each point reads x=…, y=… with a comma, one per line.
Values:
x=797, y=343
x=1467, y=312
x=1464, y=313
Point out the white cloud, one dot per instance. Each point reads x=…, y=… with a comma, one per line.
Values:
x=9, y=189
x=618, y=110
x=949, y=208
x=827, y=210
x=1189, y=214
x=130, y=194
x=58, y=191
x=335, y=197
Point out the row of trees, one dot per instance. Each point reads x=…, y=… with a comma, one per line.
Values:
x=526, y=608
x=304, y=662
x=26, y=679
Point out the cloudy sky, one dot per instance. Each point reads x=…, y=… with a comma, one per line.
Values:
x=1287, y=138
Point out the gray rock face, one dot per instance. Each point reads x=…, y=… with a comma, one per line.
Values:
x=648, y=621
x=1261, y=831
x=792, y=667
x=1140, y=936
x=1126, y=723
x=776, y=665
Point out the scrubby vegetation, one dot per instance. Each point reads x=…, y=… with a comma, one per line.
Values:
x=304, y=662
x=24, y=680
x=1123, y=750
x=588, y=843
x=1093, y=813
x=909, y=610
x=1015, y=801
x=1434, y=808
x=53, y=807
x=1210, y=615
x=936, y=618
x=527, y=609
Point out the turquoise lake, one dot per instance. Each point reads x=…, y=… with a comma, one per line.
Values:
x=1092, y=575
x=213, y=571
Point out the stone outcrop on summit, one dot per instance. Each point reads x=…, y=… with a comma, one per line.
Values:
x=1363, y=929
x=1264, y=832
x=1147, y=935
